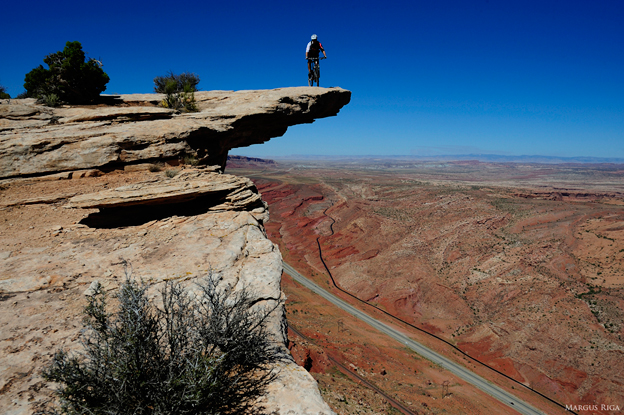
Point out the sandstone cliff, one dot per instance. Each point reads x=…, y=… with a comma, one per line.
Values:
x=60, y=232
x=130, y=129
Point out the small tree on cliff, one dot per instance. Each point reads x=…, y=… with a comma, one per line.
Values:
x=69, y=76
x=3, y=93
x=197, y=354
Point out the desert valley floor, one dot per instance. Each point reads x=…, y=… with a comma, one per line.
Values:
x=520, y=266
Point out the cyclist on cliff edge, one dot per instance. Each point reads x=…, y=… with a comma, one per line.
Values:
x=312, y=51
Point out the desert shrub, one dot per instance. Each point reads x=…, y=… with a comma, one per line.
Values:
x=179, y=89
x=72, y=78
x=206, y=353
x=50, y=100
x=171, y=173
x=179, y=101
x=3, y=93
x=180, y=82
x=154, y=168
x=190, y=160
x=172, y=99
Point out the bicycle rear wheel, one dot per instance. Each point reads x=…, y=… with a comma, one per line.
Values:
x=314, y=73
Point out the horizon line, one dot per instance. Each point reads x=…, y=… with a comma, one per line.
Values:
x=451, y=157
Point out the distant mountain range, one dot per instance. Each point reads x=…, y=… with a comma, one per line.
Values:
x=492, y=158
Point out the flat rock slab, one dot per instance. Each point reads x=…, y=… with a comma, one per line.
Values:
x=239, y=192
x=37, y=140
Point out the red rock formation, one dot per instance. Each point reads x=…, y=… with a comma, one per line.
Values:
x=512, y=281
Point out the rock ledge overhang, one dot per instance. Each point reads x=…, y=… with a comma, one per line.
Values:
x=126, y=129
x=239, y=193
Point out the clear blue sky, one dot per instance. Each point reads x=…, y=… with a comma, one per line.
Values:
x=428, y=77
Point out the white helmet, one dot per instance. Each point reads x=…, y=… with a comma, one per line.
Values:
x=313, y=37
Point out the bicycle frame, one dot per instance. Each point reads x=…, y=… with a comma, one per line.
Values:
x=315, y=71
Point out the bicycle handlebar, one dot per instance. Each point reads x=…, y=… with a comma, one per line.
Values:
x=311, y=59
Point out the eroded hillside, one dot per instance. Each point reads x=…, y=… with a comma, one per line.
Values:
x=527, y=280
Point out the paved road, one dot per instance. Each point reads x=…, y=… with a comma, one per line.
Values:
x=458, y=370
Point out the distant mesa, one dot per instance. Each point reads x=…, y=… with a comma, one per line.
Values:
x=242, y=162
x=464, y=159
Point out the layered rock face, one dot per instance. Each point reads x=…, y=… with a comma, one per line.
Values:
x=129, y=129
x=58, y=236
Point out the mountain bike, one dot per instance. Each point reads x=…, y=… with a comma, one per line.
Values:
x=315, y=71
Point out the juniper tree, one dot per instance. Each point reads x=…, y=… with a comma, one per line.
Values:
x=70, y=76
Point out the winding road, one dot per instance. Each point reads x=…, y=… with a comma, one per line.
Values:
x=458, y=370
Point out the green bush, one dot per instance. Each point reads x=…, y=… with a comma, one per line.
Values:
x=179, y=100
x=68, y=76
x=171, y=173
x=207, y=353
x=183, y=82
x=3, y=93
x=190, y=160
x=179, y=89
x=50, y=100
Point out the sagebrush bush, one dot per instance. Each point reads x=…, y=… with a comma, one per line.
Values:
x=179, y=89
x=50, y=100
x=171, y=173
x=207, y=353
x=68, y=76
x=180, y=82
x=179, y=101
